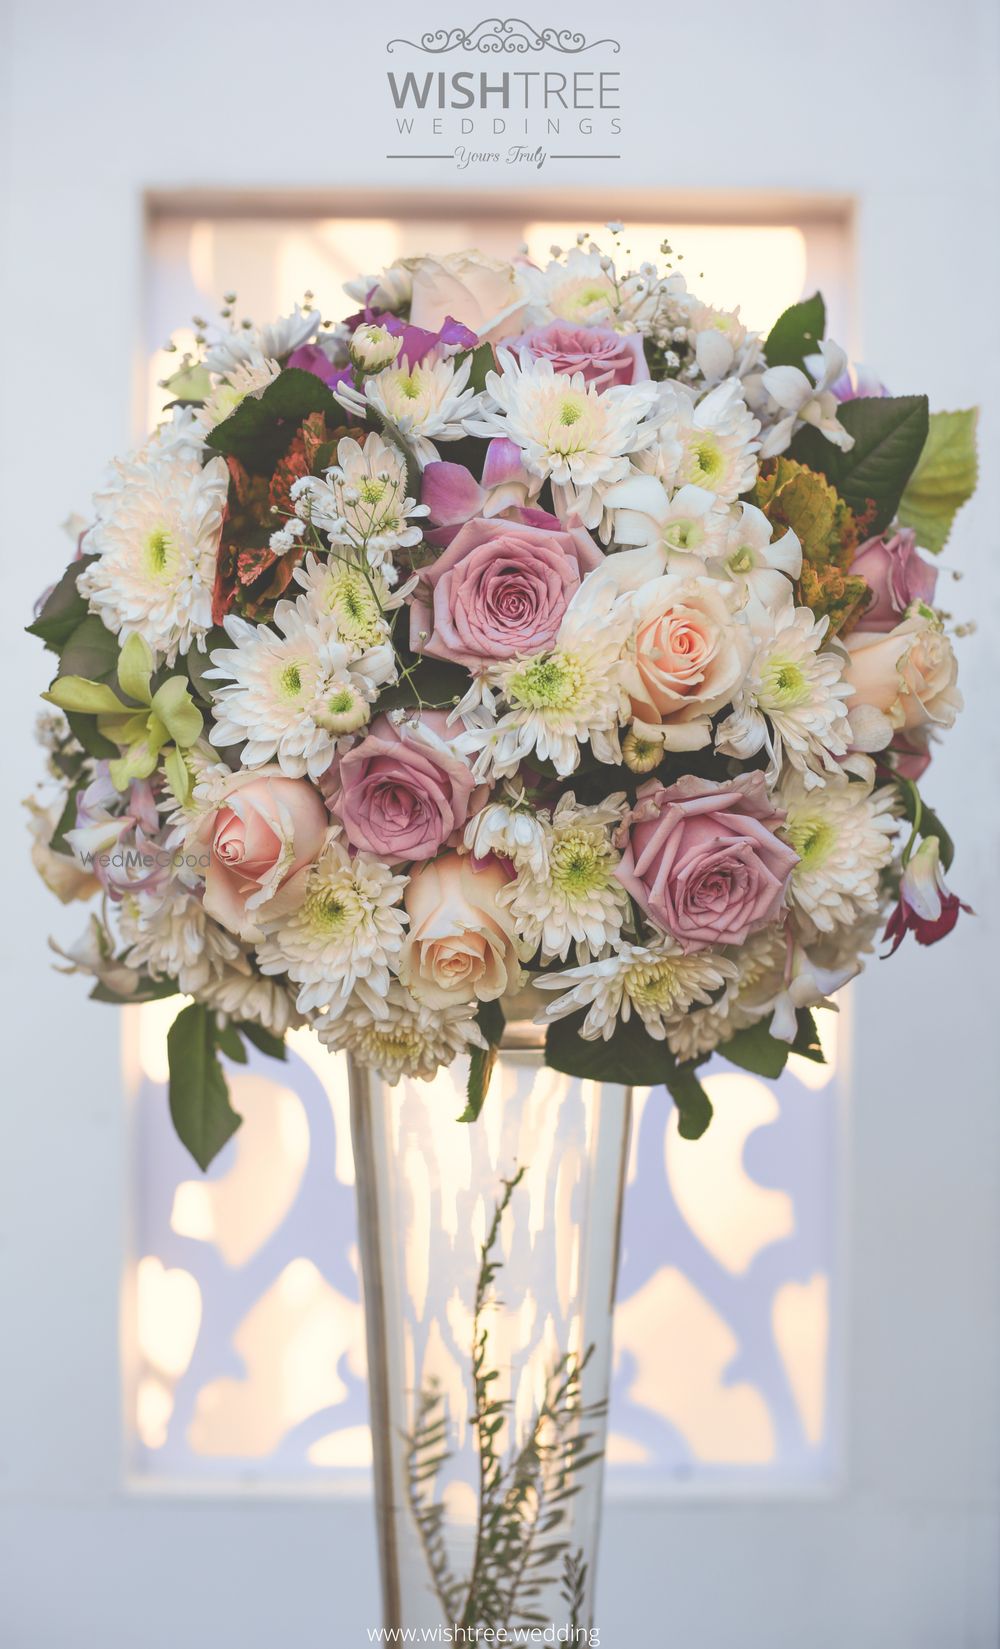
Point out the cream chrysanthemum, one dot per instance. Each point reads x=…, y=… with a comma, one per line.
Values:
x=276, y=339
x=424, y=403
x=246, y=996
x=407, y=1039
x=659, y=982
x=362, y=503
x=345, y=935
x=568, y=431
x=577, y=901
x=294, y=696
x=578, y=288
x=701, y=1030
x=556, y=702
x=156, y=539
x=843, y=833
x=247, y=380
x=791, y=702
x=172, y=937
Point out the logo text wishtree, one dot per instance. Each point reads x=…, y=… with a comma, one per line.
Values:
x=489, y=106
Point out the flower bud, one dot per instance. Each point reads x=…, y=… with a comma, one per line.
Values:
x=374, y=347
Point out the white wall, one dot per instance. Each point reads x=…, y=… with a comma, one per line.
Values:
x=890, y=101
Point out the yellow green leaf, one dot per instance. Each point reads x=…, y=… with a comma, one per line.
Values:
x=177, y=710
x=944, y=479
x=179, y=778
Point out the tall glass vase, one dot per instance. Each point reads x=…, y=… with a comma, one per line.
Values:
x=489, y=1254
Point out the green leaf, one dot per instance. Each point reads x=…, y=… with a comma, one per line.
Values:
x=481, y=1065
x=87, y=698
x=930, y=824
x=90, y=651
x=265, y=1041
x=433, y=681
x=755, y=1049
x=944, y=479
x=483, y=361
x=199, y=1098
x=198, y=662
x=135, y=669
x=230, y=1043
x=84, y=730
x=491, y=1021
x=796, y=333
x=252, y=432
x=694, y=1107
x=807, y=1043
x=64, y=608
x=148, y=990
x=889, y=435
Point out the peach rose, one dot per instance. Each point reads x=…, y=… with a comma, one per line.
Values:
x=265, y=832
x=460, y=946
x=690, y=656
x=484, y=293
x=902, y=681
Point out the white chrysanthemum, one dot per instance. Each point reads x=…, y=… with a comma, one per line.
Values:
x=509, y=825
x=294, y=696
x=690, y=524
x=557, y=701
x=274, y=340
x=407, y=1039
x=350, y=597
x=791, y=701
x=345, y=935
x=579, y=288
x=578, y=900
x=719, y=445
x=659, y=982
x=249, y=996
x=843, y=833
x=763, y=567
x=424, y=403
x=700, y=1030
x=568, y=430
x=172, y=937
x=156, y=539
x=248, y=379
x=362, y=502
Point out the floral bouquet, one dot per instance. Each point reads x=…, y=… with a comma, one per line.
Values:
x=528, y=627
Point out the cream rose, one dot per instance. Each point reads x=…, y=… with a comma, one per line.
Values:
x=902, y=681
x=259, y=841
x=483, y=293
x=460, y=947
x=691, y=652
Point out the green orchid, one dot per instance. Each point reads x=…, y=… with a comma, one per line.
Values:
x=144, y=729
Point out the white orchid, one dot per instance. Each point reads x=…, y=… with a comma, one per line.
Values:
x=801, y=397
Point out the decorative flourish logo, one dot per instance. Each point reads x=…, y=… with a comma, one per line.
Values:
x=510, y=34
x=534, y=96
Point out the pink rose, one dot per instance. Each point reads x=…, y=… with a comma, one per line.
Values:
x=460, y=944
x=603, y=356
x=702, y=860
x=897, y=574
x=402, y=792
x=266, y=831
x=500, y=589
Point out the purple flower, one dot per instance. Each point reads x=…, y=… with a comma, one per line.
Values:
x=311, y=358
